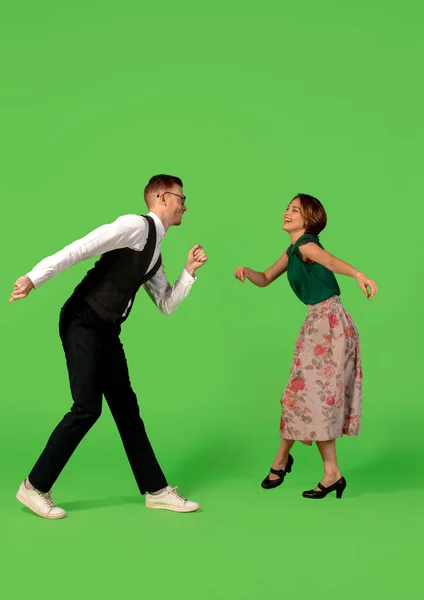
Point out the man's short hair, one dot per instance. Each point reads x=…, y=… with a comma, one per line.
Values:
x=159, y=182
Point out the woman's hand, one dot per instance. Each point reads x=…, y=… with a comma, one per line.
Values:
x=241, y=273
x=262, y=279
x=365, y=283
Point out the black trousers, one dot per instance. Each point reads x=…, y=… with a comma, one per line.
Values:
x=97, y=366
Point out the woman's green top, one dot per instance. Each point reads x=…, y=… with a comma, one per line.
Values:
x=311, y=282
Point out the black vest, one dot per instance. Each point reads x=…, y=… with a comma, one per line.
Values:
x=116, y=278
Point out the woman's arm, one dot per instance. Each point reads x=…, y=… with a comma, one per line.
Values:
x=262, y=279
x=316, y=254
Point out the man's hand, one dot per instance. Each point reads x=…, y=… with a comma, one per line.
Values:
x=22, y=288
x=196, y=259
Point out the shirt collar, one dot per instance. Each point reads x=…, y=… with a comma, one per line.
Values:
x=159, y=226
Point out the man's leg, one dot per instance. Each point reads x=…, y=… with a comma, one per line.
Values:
x=126, y=413
x=124, y=407
x=82, y=346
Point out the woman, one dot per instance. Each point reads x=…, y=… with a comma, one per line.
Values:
x=323, y=398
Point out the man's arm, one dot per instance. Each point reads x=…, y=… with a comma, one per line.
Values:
x=129, y=231
x=167, y=297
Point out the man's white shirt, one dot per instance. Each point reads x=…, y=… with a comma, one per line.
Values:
x=128, y=231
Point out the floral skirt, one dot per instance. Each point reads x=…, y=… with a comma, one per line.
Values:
x=323, y=398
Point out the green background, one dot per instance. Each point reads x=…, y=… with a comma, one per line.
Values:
x=249, y=103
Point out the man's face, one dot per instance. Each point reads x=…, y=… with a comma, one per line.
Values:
x=175, y=204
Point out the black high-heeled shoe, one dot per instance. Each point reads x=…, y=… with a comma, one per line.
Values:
x=338, y=487
x=269, y=484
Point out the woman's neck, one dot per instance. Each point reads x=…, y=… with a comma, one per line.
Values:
x=296, y=235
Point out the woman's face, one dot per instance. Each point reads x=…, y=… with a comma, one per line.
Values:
x=293, y=221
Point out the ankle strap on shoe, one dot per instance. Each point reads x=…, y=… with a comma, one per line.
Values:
x=279, y=473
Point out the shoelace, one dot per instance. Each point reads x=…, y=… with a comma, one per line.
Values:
x=174, y=492
x=47, y=499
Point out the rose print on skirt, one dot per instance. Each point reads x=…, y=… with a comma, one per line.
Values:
x=323, y=397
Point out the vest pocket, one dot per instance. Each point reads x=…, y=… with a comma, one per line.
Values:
x=107, y=294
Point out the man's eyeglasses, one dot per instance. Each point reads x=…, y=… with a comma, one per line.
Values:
x=182, y=198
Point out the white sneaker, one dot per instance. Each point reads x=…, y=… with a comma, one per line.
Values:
x=169, y=499
x=39, y=502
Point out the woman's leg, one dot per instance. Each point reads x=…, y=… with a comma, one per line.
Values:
x=281, y=458
x=332, y=474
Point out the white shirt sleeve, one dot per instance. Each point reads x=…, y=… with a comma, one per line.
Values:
x=128, y=231
x=167, y=297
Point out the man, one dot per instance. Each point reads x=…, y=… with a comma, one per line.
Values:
x=89, y=326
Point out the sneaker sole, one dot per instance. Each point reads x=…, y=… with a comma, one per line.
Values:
x=23, y=501
x=181, y=510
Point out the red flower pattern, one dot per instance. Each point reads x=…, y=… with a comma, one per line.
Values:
x=334, y=321
x=335, y=380
x=348, y=332
x=320, y=350
x=297, y=385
